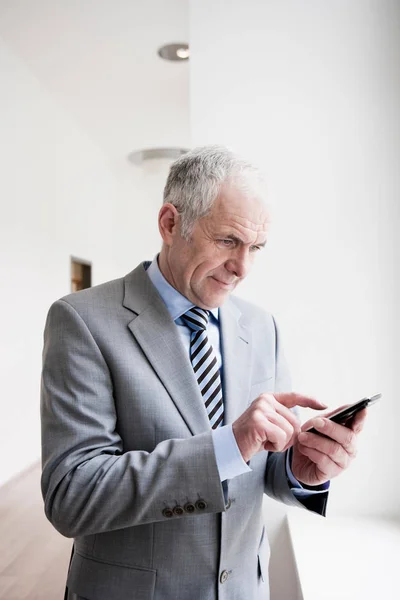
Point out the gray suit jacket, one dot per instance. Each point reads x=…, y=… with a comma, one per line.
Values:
x=129, y=468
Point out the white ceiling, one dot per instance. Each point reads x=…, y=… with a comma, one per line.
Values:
x=98, y=58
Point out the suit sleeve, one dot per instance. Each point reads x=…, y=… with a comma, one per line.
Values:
x=89, y=483
x=277, y=483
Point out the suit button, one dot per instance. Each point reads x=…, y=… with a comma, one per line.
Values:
x=167, y=512
x=189, y=507
x=201, y=504
x=224, y=576
x=178, y=511
x=228, y=504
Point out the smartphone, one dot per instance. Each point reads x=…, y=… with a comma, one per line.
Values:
x=345, y=415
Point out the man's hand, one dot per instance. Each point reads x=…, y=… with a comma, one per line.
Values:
x=268, y=424
x=316, y=459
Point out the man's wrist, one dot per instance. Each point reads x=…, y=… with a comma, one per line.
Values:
x=229, y=459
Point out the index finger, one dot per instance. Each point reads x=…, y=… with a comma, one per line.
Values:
x=336, y=410
x=292, y=399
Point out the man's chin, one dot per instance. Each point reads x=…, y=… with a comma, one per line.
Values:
x=214, y=300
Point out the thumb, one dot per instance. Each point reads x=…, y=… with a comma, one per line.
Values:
x=293, y=399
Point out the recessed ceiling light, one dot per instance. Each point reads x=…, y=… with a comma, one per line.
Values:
x=183, y=52
x=138, y=156
x=174, y=51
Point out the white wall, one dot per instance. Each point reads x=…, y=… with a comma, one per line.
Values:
x=58, y=197
x=138, y=200
x=311, y=92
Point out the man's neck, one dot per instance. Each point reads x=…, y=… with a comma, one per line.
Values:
x=164, y=268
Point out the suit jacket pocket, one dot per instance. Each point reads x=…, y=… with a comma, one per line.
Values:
x=266, y=385
x=96, y=580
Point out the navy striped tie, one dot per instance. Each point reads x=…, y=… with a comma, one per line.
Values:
x=204, y=364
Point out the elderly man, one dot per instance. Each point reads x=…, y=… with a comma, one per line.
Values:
x=166, y=408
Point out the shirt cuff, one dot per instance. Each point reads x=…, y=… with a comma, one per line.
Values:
x=296, y=487
x=230, y=462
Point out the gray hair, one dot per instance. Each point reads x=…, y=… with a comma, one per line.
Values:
x=195, y=180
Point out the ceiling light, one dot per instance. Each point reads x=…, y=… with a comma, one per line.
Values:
x=138, y=156
x=174, y=52
x=183, y=52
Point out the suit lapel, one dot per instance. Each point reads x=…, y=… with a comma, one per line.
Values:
x=236, y=356
x=158, y=336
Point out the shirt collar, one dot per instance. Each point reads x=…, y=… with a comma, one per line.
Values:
x=176, y=304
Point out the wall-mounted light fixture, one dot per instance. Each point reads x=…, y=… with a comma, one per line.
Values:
x=138, y=156
x=177, y=51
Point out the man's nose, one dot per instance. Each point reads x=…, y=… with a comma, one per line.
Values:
x=239, y=264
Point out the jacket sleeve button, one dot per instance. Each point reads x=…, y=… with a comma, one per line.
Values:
x=178, y=511
x=189, y=507
x=167, y=512
x=201, y=504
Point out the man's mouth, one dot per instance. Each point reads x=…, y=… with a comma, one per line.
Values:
x=224, y=283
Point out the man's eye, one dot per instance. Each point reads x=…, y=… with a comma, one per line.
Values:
x=255, y=248
x=226, y=243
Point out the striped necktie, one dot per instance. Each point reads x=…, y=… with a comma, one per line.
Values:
x=204, y=364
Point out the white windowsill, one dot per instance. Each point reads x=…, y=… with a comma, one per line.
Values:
x=345, y=558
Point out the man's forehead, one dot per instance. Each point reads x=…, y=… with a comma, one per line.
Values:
x=236, y=198
x=240, y=211
x=242, y=231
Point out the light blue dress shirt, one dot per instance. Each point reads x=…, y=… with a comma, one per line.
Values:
x=229, y=460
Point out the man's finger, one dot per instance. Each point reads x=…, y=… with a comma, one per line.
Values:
x=357, y=424
x=291, y=428
x=288, y=415
x=326, y=466
x=276, y=437
x=292, y=399
x=340, y=433
x=327, y=446
x=310, y=423
x=339, y=408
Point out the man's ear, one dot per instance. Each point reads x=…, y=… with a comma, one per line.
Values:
x=168, y=223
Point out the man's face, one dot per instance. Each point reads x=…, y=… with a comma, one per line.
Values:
x=221, y=250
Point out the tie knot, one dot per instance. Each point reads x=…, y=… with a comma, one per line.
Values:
x=196, y=318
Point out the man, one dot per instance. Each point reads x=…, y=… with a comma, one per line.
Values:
x=166, y=408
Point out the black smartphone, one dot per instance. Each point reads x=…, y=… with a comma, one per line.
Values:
x=345, y=415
